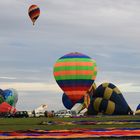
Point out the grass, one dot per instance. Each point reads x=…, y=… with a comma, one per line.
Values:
x=9, y=124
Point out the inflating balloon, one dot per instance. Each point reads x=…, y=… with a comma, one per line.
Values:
x=109, y=100
x=75, y=73
x=11, y=96
x=34, y=13
x=6, y=108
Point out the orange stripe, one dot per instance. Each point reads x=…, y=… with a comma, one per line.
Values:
x=59, y=64
x=94, y=77
x=78, y=93
x=73, y=72
x=75, y=95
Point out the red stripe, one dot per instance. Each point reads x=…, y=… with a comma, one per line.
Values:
x=33, y=14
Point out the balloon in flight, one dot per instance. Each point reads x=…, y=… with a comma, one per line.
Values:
x=33, y=13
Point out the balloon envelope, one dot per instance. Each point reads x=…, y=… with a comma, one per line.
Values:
x=33, y=12
x=109, y=100
x=75, y=73
x=11, y=96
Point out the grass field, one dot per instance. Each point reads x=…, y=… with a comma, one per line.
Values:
x=9, y=124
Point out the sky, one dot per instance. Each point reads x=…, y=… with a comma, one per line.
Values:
x=107, y=31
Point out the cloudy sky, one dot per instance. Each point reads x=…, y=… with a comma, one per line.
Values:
x=108, y=31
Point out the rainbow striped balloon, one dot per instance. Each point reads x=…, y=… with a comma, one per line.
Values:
x=75, y=73
x=34, y=12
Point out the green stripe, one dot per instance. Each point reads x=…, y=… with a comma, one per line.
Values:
x=95, y=73
x=68, y=68
x=72, y=77
x=75, y=60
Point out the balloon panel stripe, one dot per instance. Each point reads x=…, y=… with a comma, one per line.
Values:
x=73, y=72
x=72, y=77
x=74, y=64
x=73, y=68
x=33, y=14
x=33, y=9
x=110, y=107
x=75, y=60
x=81, y=88
x=75, y=82
x=74, y=56
x=103, y=105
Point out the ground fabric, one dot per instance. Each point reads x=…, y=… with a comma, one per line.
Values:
x=74, y=133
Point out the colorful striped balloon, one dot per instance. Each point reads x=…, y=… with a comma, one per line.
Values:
x=75, y=73
x=34, y=12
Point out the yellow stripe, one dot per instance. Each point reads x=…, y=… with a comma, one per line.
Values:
x=110, y=108
x=97, y=103
x=117, y=90
x=105, y=84
x=107, y=93
x=92, y=88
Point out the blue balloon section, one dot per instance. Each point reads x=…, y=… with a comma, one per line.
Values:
x=68, y=103
x=138, y=107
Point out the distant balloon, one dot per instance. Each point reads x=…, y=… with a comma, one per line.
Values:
x=6, y=108
x=75, y=73
x=11, y=96
x=34, y=13
x=109, y=100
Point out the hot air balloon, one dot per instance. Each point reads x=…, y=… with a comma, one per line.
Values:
x=6, y=108
x=75, y=73
x=11, y=96
x=34, y=13
x=109, y=100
